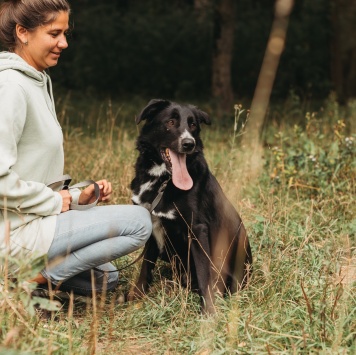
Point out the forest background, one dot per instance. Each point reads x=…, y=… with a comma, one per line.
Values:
x=169, y=49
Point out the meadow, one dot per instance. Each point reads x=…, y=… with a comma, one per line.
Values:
x=300, y=214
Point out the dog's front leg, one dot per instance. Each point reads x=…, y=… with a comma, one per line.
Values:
x=149, y=261
x=200, y=249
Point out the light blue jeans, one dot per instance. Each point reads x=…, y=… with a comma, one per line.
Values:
x=90, y=239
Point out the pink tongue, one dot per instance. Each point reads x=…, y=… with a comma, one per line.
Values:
x=180, y=176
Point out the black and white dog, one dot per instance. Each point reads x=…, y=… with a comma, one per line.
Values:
x=195, y=227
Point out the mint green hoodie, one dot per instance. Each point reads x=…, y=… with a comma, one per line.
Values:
x=31, y=155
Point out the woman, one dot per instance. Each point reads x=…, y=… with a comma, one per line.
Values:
x=41, y=221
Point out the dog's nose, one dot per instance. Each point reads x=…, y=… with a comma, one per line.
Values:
x=188, y=144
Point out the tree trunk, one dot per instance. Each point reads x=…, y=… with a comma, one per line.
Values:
x=224, y=11
x=202, y=5
x=336, y=62
x=251, y=140
x=343, y=48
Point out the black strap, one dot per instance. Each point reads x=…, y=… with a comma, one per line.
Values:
x=61, y=183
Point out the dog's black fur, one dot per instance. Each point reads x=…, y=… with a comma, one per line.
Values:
x=195, y=227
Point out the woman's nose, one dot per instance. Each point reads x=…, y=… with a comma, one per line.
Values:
x=62, y=43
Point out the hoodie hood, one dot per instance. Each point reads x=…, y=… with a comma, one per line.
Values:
x=9, y=60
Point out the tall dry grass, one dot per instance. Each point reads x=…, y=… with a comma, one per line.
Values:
x=302, y=296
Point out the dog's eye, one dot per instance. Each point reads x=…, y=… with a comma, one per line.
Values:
x=170, y=123
x=191, y=123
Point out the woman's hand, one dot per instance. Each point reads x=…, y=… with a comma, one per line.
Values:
x=88, y=194
x=66, y=200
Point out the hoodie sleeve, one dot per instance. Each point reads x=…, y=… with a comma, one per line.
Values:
x=15, y=194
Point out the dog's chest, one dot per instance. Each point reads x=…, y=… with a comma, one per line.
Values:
x=148, y=191
x=169, y=235
x=149, y=194
x=149, y=187
x=158, y=232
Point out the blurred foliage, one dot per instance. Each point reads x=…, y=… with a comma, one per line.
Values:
x=141, y=49
x=305, y=64
x=317, y=159
x=156, y=48
x=163, y=49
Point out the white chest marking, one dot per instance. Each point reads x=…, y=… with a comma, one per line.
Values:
x=169, y=215
x=144, y=187
x=158, y=233
x=158, y=170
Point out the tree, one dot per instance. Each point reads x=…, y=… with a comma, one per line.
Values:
x=202, y=5
x=223, y=15
x=275, y=46
x=343, y=48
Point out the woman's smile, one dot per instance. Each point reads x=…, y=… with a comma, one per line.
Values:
x=43, y=46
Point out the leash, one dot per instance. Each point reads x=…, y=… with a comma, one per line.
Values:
x=159, y=196
x=126, y=266
x=63, y=182
x=152, y=206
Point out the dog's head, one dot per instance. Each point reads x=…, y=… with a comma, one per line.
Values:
x=173, y=129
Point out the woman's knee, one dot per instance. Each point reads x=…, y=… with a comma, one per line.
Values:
x=143, y=217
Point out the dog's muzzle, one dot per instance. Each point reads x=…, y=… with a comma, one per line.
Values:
x=187, y=145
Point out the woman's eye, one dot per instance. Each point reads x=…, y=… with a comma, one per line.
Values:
x=56, y=34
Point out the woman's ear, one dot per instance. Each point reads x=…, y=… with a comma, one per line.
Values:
x=22, y=34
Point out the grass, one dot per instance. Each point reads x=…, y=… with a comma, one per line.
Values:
x=300, y=216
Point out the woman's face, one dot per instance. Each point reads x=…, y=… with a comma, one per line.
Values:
x=45, y=43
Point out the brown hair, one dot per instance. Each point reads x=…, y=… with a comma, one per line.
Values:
x=29, y=14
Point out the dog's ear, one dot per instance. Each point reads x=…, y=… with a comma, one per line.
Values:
x=202, y=116
x=152, y=108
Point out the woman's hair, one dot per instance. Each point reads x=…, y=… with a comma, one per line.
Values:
x=29, y=14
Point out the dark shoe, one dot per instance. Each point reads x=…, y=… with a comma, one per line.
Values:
x=58, y=295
